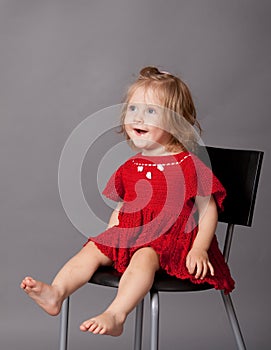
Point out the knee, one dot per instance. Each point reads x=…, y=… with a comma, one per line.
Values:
x=91, y=250
x=146, y=257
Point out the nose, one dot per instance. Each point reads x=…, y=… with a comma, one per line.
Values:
x=139, y=116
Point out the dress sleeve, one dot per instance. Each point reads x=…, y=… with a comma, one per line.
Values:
x=200, y=181
x=114, y=188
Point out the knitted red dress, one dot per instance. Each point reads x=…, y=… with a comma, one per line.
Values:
x=158, y=195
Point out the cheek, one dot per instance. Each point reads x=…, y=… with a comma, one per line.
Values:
x=155, y=131
x=127, y=129
x=128, y=119
x=156, y=126
x=155, y=121
x=160, y=134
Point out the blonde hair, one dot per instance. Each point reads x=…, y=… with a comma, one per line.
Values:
x=176, y=98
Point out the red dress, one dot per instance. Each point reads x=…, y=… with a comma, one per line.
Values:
x=158, y=195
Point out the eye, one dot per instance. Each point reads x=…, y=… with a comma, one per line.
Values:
x=132, y=108
x=151, y=110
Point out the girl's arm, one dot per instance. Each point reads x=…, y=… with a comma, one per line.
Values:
x=197, y=260
x=114, y=219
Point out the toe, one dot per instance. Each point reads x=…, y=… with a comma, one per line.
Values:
x=97, y=329
x=93, y=327
x=102, y=331
x=29, y=282
x=28, y=279
x=86, y=325
x=83, y=328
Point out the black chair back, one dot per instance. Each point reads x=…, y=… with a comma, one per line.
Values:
x=239, y=172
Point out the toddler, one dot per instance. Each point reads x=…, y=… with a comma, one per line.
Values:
x=166, y=212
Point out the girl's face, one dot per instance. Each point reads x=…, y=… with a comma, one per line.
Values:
x=143, y=122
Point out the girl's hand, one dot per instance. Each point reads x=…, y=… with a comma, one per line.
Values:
x=197, y=263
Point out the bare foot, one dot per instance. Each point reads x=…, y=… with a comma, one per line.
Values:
x=46, y=296
x=106, y=323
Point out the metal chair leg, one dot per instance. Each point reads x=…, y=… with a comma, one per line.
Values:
x=64, y=324
x=233, y=321
x=139, y=326
x=154, y=320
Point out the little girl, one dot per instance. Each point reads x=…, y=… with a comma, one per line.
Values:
x=167, y=210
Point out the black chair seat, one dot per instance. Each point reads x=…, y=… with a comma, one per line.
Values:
x=108, y=276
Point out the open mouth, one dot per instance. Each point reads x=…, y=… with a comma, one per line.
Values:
x=140, y=131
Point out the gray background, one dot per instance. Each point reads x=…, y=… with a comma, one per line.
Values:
x=63, y=60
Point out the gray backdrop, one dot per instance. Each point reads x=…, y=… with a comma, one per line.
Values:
x=62, y=60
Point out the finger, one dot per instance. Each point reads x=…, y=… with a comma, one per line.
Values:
x=211, y=268
x=205, y=270
x=188, y=263
x=191, y=267
x=199, y=270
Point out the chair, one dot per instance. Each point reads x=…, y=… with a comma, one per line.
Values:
x=239, y=172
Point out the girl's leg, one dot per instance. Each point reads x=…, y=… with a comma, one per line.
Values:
x=75, y=273
x=134, y=285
